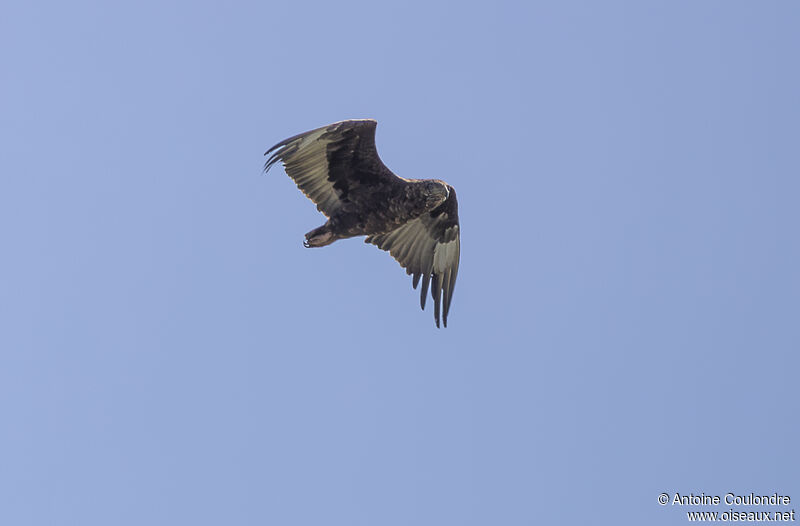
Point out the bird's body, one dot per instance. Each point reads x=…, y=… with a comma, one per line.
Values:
x=338, y=167
x=382, y=213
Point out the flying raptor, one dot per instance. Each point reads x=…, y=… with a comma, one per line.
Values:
x=415, y=220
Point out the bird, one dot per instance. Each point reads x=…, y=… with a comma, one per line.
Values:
x=415, y=220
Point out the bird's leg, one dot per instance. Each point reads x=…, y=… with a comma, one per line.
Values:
x=319, y=237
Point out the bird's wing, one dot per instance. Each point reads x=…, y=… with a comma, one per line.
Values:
x=429, y=248
x=334, y=164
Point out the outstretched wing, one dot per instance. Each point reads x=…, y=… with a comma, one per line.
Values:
x=334, y=164
x=429, y=247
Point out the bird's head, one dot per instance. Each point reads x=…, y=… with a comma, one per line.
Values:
x=436, y=193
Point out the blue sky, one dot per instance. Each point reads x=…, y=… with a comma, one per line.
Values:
x=625, y=321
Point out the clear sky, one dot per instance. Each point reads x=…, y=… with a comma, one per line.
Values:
x=627, y=315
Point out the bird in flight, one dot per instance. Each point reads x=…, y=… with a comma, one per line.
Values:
x=415, y=220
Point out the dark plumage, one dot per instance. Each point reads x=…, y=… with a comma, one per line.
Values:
x=338, y=167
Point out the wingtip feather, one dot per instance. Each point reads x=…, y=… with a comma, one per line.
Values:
x=423, y=295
